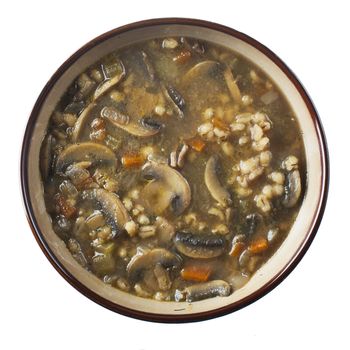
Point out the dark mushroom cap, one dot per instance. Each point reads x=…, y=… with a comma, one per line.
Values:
x=203, y=246
x=217, y=191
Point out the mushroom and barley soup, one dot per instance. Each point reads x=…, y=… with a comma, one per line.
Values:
x=173, y=169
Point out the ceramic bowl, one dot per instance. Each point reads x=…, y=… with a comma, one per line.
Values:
x=271, y=273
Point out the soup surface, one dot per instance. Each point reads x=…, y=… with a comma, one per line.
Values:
x=173, y=169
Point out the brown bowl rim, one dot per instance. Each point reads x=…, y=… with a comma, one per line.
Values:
x=154, y=317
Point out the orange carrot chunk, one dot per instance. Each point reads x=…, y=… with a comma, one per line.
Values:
x=237, y=249
x=196, y=273
x=219, y=123
x=132, y=160
x=258, y=245
x=197, y=144
x=182, y=57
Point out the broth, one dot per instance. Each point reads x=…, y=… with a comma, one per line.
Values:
x=173, y=169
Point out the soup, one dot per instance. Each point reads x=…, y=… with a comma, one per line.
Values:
x=173, y=169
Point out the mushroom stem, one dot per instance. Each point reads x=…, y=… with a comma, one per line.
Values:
x=232, y=86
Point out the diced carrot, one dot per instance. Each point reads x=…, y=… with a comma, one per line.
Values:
x=258, y=245
x=237, y=249
x=132, y=160
x=65, y=209
x=182, y=57
x=197, y=273
x=219, y=123
x=196, y=143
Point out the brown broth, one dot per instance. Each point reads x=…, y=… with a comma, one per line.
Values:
x=150, y=70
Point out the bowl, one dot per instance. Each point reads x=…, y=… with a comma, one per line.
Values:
x=270, y=274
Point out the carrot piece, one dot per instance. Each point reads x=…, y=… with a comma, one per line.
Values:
x=237, y=249
x=132, y=160
x=258, y=245
x=197, y=144
x=197, y=273
x=182, y=57
x=219, y=123
x=65, y=209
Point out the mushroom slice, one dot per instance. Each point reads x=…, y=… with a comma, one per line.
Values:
x=85, y=151
x=157, y=197
x=79, y=175
x=175, y=98
x=75, y=107
x=202, y=246
x=46, y=156
x=200, y=69
x=292, y=189
x=232, y=85
x=194, y=45
x=100, y=90
x=165, y=230
x=162, y=276
x=110, y=82
x=148, y=66
x=252, y=221
x=146, y=126
x=205, y=290
x=168, y=188
x=110, y=205
x=149, y=259
x=81, y=122
x=217, y=191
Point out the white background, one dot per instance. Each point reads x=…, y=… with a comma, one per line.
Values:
x=40, y=310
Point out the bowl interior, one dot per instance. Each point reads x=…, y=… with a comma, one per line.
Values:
x=289, y=248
